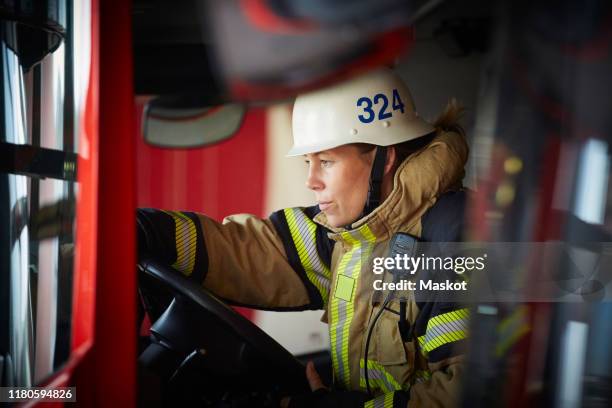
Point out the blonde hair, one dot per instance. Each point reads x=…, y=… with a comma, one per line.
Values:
x=448, y=120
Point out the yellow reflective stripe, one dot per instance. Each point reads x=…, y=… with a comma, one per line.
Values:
x=338, y=334
x=388, y=402
x=444, y=328
x=367, y=234
x=449, y=337
x=445, y=338
x=421, y=340
x=511, y=329
x=378, y=377
x=305, y=242
x=383, y=401
x=333, y=338
x=448, y=317
x=422, y=375
x=186, y=242
x=342, y=308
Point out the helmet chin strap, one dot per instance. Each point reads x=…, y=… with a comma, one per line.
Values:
x=375, y=184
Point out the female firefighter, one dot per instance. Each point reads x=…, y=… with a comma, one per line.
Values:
x=376, y=168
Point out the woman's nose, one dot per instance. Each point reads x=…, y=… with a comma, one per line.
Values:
x=313, y=182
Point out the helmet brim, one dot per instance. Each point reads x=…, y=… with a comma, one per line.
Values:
x=419, y=128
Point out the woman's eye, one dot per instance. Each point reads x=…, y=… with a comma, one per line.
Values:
x=326, y=163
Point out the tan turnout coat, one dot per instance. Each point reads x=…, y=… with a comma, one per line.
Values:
x=294, y=261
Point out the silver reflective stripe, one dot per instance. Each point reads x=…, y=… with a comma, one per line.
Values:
x=379, y=378
x=342, y=322
x=379, y=402
x=444, y=328
x=307, y=250
x=341, y=316
x=383, y=401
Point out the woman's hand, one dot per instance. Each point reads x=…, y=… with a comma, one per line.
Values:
x=321, y=396
x=314, y=380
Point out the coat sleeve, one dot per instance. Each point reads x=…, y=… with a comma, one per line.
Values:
x=245, y=260
x=441, y=390
x=441, y=331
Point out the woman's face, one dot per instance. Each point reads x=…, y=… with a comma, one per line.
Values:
x=339, y=178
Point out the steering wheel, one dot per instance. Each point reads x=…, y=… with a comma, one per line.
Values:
x=199, y=345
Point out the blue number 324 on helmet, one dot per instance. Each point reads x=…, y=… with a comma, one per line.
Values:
x=376, y=109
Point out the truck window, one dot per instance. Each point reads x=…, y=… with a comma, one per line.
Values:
x=37, y=192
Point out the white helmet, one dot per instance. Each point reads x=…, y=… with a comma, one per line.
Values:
x=375, y=108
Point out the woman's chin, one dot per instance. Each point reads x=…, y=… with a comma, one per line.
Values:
x=336, y=221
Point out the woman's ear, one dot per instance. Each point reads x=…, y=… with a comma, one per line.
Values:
x=390, y=162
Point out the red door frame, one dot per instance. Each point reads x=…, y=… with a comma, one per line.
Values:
x=113, y=363
x=102, y=365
